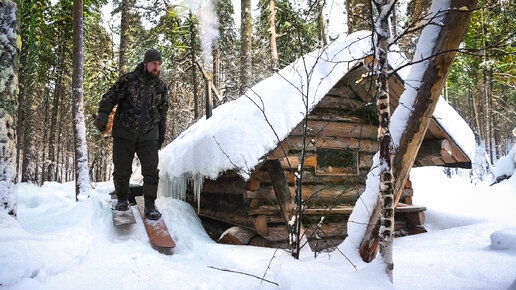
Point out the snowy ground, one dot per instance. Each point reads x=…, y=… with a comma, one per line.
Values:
x=60, y=244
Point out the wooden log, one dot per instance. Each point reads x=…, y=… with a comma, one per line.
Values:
x=435, y=149
x=236, y=236
x=252, y=184
x=454, y=26
x=341, y=91
x=407, y=192
x=275, y=210
x=339, y=98
x=330, y=230
x=263, y=175
x=438, y=161
x=327, y=230
x=260, y=224
x=293, y=162
x=408, y=184
x=435, y=129
x=312, y=143
x=280, y=151
x=337, y=129
x=362, y=115
x=316, y=194
x=282, y=191
x=365, y=161
x=309, y=177
x=231, y=186
x=254, y=204
x=265, y=193
x=409, y=208
x=338, y=193
x=276, y=234
x=415, y=218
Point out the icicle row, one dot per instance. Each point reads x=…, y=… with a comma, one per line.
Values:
x=175, y=187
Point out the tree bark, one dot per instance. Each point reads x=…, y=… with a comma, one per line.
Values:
x=82, y=179
x=272, y=30
x=58, y=89
x=8, y=102
x=124, y=28
x=452, y=32
x=386, y=190
x=246, y=32
x=359, y=15
x=193, y=67
x=321, y=25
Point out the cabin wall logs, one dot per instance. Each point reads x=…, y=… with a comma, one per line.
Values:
x=339, y=147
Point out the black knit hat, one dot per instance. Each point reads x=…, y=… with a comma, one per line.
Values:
x=152, y=55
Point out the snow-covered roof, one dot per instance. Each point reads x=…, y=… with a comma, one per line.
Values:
x=456, y=127
x=241, y=132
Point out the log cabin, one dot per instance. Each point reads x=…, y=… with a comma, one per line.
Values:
x=317, y=119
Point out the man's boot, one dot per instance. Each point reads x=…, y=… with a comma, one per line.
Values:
x=122, y=203
x=150, y=211
x=150, y=193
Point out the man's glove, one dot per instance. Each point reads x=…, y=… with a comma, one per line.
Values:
x=101, y=125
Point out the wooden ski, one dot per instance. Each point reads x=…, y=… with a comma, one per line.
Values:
x=157, y=230
x=121, y=217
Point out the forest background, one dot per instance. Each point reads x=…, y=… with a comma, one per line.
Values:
x=481, y=85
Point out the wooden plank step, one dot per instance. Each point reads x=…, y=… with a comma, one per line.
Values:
x=404, y=208
x=343, y=209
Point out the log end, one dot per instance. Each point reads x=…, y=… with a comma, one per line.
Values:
x=368, y=251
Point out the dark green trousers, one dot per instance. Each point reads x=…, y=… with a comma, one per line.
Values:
x=123, y=154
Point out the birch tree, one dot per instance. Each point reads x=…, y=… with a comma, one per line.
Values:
x=82, y=180
x=435, y=53
x=9, y=50
x=384, y=7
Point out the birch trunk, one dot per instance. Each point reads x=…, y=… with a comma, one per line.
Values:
x=272, y=30
x=386, y=190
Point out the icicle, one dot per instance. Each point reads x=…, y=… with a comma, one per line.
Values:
x=197, y=187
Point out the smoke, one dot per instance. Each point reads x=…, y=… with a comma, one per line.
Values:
x=208, y=27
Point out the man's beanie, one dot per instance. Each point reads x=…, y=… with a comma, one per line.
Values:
x=152, y=55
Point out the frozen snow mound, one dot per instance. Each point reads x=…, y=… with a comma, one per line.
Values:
x=505, y=166
x=504, y=239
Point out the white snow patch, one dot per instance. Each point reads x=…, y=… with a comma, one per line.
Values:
x=504, y=239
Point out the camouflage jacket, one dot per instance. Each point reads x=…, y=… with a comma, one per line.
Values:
x=129, y=94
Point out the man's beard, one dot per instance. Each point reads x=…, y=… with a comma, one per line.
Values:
x=155, y=73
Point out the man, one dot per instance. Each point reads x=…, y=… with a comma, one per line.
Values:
x=138, y=127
